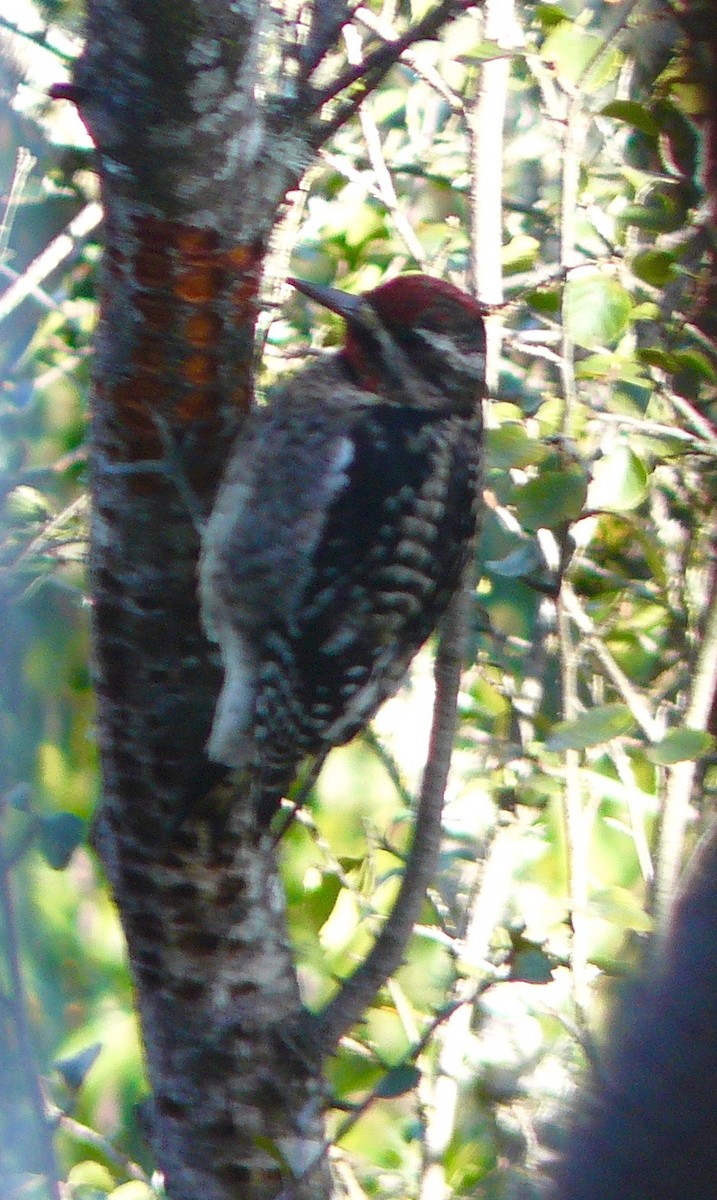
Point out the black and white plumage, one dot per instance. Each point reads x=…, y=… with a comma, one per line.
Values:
x=342, y=527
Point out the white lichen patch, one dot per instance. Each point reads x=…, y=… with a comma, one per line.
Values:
x=203, y=52
x=207, y=89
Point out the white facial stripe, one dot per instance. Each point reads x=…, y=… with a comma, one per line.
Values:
x=467, y=363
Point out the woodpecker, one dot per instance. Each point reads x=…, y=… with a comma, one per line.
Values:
x=342, y=527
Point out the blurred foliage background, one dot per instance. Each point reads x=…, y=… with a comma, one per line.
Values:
x=586, y=707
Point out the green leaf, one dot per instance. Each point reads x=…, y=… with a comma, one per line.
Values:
x=509, y=446
x=134, y=1189
x=664, y=209
x=550, y=15
x=653, y=356
x=596, y=309
x=579, y=57
x=552, y=500
x=546, y=301
x=520, y=253
x=696, y=362
x=60, y=834
x=619, y=481
x=26, y=504
x=633, y=114
x=591, y=728
x=531, y=966
x=656, y=267
x=398, y=1081
x=485, y=51
x=74, y=1067
x=679, y=745
x=273, y=1149
x=692, y=361
x=679, y=141
x=89, y=1178
x=620, y=907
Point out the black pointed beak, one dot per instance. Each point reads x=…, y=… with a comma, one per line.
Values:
x=347, y=306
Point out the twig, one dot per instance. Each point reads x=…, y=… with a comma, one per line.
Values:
x=427, y=73
x=326, y=27
x=488, y=911
x=51, y=257
x=575, y=133
x=389, y=764
x=701, y=442
x=682, y=775
x=625, y=770
x=374, y=148
x=24, y=163
x=357, y=1111
x=331, y=864
x=576, y=814
x=325, y=1029
x=652, y=729
x=369, y=73
x=82, y=1133
x=486, y=122
x=697, y=419
x=39, y=40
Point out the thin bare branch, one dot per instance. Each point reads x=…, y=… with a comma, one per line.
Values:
x=424, y=71
x=639, y=708
x=368, y=74
x=372, y=138
x=51, y=258
x=324, y=1030
x=681, y=779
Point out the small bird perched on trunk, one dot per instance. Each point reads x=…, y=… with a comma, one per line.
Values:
x=342, y=527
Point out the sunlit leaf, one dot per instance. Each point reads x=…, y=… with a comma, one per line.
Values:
x=596, y=309
x=552, y=500
x=89, y=1178
x=134, y=1189
x=485, y=51
x=591, y=728
x=633, y=114
x=509, y=446
x=619, y=481
x=579, y=57
x=620, y=907
x=520, y=253
x=27, y=504
x=679, y=745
